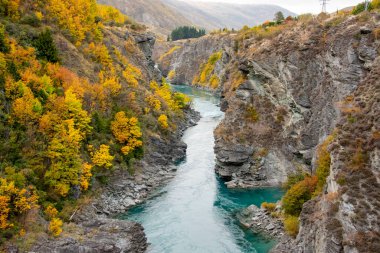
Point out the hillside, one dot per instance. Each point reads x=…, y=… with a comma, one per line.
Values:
x=154, y=13
x=83, y=114
x=224, y=15
x=165, y=15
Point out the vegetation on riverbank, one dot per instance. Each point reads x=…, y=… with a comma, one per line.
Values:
x=66, y=125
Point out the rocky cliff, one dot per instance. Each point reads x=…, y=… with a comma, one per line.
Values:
x=283, y=92
x=185, y=57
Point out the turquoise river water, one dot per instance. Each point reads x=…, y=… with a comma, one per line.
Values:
x=195, y=212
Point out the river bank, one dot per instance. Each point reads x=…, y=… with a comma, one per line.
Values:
x=195, y=211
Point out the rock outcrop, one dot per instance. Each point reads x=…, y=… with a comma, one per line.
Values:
x=99, y=235
x=289, y=103
x=191, y=54
x=260, y=221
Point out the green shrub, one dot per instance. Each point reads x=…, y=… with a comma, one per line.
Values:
x=323, y=163
x=298, y=194
x=252, y=114
x=294, y=178
x=31, y=20
x=269, y=206
x=4, y=47
x=360, y=8
x=291, y=224
x=45, y=46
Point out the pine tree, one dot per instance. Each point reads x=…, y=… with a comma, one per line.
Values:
x=46, y=48
x=279, y=17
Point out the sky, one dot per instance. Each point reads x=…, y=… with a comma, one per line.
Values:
x=297, y=6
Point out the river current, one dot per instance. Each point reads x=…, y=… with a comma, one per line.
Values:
x=195, y=212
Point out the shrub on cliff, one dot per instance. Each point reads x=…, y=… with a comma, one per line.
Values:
x=294, y=178
x=323, y=164
x=361, y=7
x=270, y=207
x=298, y=194
x=291, y=224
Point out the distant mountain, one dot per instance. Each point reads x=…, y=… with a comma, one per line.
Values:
x=165, y=15
x=219, y=15
x=154, y=13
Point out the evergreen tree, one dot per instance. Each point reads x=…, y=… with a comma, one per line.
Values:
x=279, y=17
x=46, y=48
x=187, y=32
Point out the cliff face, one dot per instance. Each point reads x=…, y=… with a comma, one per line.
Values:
x=283, y=95
x=346, y=217
x=302, y=86
x=295, y=81
x=185, y=57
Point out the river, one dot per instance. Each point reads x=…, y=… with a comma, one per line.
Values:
x=195, y=212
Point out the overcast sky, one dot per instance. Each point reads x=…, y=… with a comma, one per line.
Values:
x=297, y=6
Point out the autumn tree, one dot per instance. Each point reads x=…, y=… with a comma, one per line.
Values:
x=127, y=131
x=75, y=16
x=102, y=156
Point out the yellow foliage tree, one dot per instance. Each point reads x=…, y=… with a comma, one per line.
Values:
x=127, y=131
x=4, y=211
x=27, y=109
x=132, y=74
x=55, y=227
x=51, y=212
x=75, y=16
x=153, y=102
x=163, y=121
x=111, y=14
x=175, y=101
x=14, y=200
x=85, y=176
x=102, y=157
x=10, y=8
x=99, y=53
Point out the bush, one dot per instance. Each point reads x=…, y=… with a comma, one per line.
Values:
x=31, y=20
x=269, y=206
x=291, y=224
x=360, y=8
x=298, y=194
x=4, y=47
x=323, y=163
x=45, y=46
x=252, y=114
x=187, y=32
x=294, y=178
x=375, y=4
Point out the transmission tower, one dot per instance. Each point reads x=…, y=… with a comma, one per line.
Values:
x=366, y=3
x=324, y=5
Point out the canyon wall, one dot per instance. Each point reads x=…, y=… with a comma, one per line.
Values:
x=283, y=94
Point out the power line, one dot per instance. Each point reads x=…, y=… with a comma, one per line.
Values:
x=324, y=5
x=366, y=5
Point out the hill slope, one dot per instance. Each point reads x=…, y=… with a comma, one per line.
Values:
x=220, y=15
x=165, y=15
x=153, y=13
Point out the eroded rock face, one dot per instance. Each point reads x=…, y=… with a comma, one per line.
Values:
x=191, y=54
x=96, y=236
x=294, y=83
x=260, y=221
x=288, y=103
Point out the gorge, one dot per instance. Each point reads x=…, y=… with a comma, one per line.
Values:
x=259, y=139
